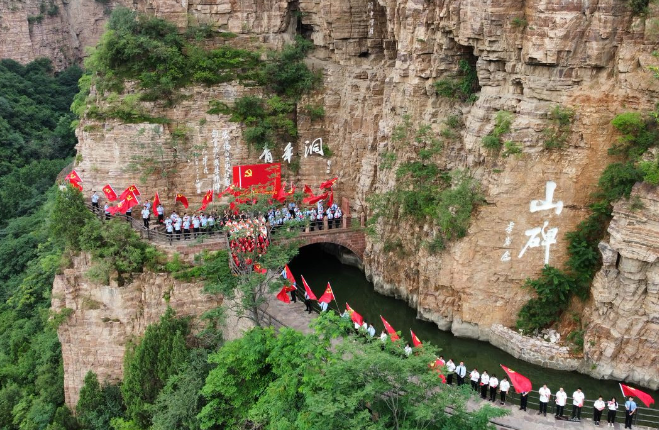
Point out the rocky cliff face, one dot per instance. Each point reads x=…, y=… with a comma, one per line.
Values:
x=105, y=318
x=622, y=335
x=379, y=60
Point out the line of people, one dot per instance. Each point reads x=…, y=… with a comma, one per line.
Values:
x=278, y=217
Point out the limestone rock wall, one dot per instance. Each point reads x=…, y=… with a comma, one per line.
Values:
x=622, y=321
x=106, y=317
x=380, y=59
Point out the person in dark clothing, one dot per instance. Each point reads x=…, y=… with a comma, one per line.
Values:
x=523, y=400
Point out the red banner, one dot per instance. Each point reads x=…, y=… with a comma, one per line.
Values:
x=258, y=178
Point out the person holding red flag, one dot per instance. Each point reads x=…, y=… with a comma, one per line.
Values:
x=328, y=295
x=392, y=333
x=288, y=275
x=158, y=209
x=73, y=177
x=283, y=296
x=354, y=316
x=520, y=382
x=308, y=295
x=634, y=392
x=132, y=189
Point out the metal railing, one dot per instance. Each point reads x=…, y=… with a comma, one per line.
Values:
x=643, y=416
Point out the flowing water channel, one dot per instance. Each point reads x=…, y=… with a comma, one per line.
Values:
x=350, y=285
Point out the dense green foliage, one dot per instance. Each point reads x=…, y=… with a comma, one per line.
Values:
x=34, y=116
x=98, y=404
x=638, y=7
x=424, y=191
x=555, y=287
x=293, y=380
x=560, y=120
x=463, y=86
x=159, y=355
x=153, y=52
x=35, y=142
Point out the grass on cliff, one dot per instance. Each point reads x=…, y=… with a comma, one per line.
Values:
x=424, y=192
x=555, y=287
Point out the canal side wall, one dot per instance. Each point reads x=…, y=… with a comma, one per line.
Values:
x=532, y=350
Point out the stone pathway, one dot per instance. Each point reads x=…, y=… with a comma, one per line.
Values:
x=290, y=314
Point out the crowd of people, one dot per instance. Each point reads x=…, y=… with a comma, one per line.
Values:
x=189, y=226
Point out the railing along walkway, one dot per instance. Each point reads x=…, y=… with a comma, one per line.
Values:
x=156, y=232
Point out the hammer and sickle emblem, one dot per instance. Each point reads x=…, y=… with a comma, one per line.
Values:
x=129, y=198
x=248, y=173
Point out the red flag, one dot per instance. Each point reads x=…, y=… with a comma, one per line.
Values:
x=283, y=296
x=520, y=383
x=181, y=198
x=392, y=333
x=307, y=190
x=132, y=189
x=73, y=177
x=128, y=202
x=314, y=199
x=643, y=397
x=156, y=203
x=328, y=295
x=207, y=199
x=331, y=198
x=260, y=269
x=109, y=193
x=354, y=316
x=288, y=275
x=281, y=195
x=310, y=293
x=415, y=340
x=328, y=184
x=76, y=185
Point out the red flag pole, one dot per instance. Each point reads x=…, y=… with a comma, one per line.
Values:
x=622, y=391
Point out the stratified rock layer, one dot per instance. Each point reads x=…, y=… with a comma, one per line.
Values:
x=379, y=61
x=622, y=337
x=105, y=318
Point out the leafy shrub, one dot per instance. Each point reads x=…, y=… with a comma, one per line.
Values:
x=650, y=171
x=285, y=72
x=638, y=133
x=511, y=148
x=557, y=133
x=638, y=7
x=461, y=87
x=315, y=112
x=518, y=22
x=502, y=122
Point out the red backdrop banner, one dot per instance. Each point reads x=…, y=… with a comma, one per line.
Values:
x=260, y=178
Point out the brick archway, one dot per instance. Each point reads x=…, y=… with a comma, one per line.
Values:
x=351, y=240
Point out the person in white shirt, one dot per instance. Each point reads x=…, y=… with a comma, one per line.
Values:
x=383, y=336
x=474, y=376
x=95, y=202
x=145, y=217
x=613, y=409
x=323, y=308
x=461, y=371
x=450, y=368
x=545, y=395
x=561, y=399
x=365, y=326
x=485, y=383
x=504, y=386
x=169, y=228
x=408, y=349
x=106, y=208
x=598, y=407
x=371, y=330
x=177, y=226
x=577, y=403
x=160, y=210
x=494, y=383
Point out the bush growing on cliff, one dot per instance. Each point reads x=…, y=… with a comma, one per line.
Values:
x=638, y=7
x=462, y=87
x=560, y=119
x=153, y=52
x=502, y=122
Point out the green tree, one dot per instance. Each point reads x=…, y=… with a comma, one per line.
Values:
x=98, y=404
x=292, y=380
x=160, y=354
x=69, y=217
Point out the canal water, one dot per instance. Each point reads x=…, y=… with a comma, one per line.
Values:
x=350, y=285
